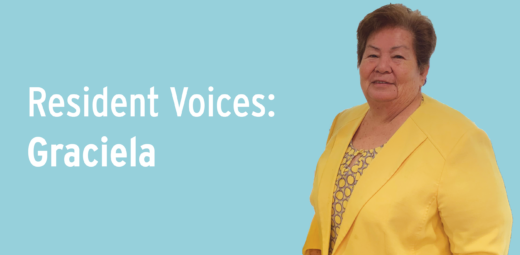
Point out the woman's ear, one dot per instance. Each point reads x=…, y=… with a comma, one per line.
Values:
x=424, y=73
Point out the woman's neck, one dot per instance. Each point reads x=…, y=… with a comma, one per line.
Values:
x=388, y=112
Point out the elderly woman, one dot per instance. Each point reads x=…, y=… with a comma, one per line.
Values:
x=404, y=173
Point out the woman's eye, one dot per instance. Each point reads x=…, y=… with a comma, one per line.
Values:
x=372, y=56
x=398, y=56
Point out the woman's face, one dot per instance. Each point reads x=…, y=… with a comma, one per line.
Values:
x=389, y=70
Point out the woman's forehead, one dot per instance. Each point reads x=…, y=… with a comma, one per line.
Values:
x=390, y=39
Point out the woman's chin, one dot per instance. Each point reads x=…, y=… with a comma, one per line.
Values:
x=383, y=95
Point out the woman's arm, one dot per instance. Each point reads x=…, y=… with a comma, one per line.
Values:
x=313, y=245
x=313, y=242
x=472, y=199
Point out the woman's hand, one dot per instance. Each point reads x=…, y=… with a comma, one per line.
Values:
x=314, y=252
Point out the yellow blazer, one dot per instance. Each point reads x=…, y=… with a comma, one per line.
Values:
x=434, y=188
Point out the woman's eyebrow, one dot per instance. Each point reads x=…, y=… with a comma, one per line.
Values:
x=374, y=47
x=393, y=48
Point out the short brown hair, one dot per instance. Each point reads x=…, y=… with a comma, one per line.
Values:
x=398, y=15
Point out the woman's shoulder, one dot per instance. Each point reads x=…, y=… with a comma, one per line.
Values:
x=351, y=114
x=434, y=114
x=443, y=125
x=345, y=117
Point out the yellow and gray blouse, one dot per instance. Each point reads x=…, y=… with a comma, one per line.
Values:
x=347, y=178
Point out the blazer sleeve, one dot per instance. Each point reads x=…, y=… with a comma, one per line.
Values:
x=472, y=199
x=314, y=236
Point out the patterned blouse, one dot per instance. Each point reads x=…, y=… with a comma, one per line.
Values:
x=348, y=176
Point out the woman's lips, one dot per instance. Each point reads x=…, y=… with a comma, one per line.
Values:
x=382, y=85
x=381, y=82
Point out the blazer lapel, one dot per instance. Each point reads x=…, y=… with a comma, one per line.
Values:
x=407, y=138
x=341, y=142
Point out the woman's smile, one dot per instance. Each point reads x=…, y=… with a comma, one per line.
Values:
x=381, y=83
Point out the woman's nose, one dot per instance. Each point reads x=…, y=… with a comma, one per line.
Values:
x=383, y=65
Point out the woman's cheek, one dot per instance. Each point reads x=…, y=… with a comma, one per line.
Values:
x=365, y=70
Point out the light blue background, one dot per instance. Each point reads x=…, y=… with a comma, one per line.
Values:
x=221, y=185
